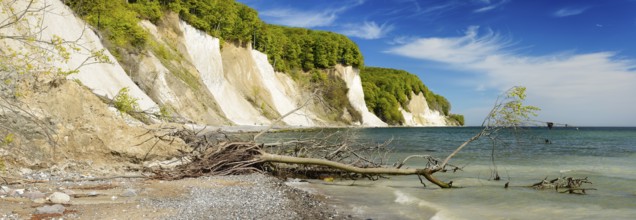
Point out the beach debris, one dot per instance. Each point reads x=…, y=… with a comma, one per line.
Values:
x=569, y=185
x=337, y=154
x=550, y=125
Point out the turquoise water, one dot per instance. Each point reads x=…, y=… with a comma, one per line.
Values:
x=607, y=156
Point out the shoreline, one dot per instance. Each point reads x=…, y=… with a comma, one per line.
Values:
x=285, y=128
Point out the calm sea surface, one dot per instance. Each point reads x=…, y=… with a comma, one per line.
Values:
x=607, y=156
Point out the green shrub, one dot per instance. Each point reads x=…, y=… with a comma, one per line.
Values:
x=125, y=103
x=8, y=139
x=116, y=20
x=148, y=9
x=165, y=112
x=457, y=118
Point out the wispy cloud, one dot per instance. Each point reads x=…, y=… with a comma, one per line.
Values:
x=565, y=12
x=490, y=6
x=297, y=18
x=400, y=40
x=307, y=18
x=584, y=88
x=367, y=30
x=457, y=50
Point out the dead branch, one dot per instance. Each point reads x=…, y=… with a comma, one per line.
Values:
x=564, y=185
x=337, y=152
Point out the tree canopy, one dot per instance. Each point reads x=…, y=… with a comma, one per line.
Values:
x=386, y=90
x=287, y=48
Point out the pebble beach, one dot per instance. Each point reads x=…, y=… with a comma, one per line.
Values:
x=254, y=196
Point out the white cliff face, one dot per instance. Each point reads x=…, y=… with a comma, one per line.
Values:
x=241, y=81
x=420, y=114
x=102, y=78
x=164, y=93
x=282, y=101
x=205, y=54
x=355, y=94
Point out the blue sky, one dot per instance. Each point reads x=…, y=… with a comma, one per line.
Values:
x=577, y=58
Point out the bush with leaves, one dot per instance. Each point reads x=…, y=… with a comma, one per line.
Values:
x=125, y=103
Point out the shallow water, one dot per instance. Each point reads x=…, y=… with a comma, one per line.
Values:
x=607, y=156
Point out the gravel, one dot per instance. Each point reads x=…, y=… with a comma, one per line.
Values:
x=257, y=197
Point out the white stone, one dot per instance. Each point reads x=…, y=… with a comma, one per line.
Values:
x=25, y=171
x=58, y=197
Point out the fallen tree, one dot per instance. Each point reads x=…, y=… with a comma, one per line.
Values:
x=329, y=153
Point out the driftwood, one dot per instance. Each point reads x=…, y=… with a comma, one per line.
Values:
x=336, y=153
x=564, y=185
x=231, y=158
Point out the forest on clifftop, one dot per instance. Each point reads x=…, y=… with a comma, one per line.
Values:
x=291, y=50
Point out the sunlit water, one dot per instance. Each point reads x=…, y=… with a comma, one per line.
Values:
x=607, y=156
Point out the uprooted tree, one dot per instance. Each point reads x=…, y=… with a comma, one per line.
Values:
x=338, y=153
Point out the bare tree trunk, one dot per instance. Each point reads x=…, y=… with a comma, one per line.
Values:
x=426, y=172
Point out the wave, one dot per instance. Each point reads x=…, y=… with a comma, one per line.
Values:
x=437, y=212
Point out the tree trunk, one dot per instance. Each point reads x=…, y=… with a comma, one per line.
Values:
x=427, y=173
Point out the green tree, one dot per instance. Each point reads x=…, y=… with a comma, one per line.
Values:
x=386, y=90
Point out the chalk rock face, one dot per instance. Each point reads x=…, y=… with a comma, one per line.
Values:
x=205, y=53
x=351, y=76
x=421, y=114
x=205, y=82
x=59, y=198
x=105, y=79
x=274, y=84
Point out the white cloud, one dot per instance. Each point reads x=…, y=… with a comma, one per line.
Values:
x=457, y=50
x=367, y=30
x=490, y=6
x=565, y=12
x=307, y=18
x=581, y=89
x=399, y=40
x=297, y=18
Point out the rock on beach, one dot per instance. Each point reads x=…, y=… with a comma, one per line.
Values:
x=59, y=198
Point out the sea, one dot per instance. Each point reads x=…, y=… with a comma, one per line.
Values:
x=606, y=156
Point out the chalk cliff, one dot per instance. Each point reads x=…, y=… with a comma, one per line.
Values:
x=199, y=79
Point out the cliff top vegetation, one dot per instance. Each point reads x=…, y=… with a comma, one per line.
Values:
x=386, y=90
